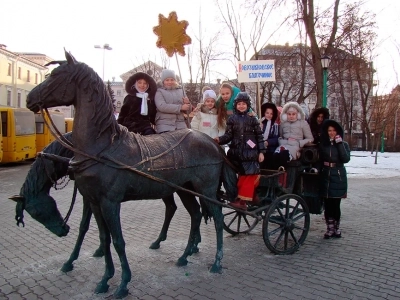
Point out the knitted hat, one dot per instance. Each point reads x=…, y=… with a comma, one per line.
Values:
x=209, y=94
x=242, y=97
x=167, y=74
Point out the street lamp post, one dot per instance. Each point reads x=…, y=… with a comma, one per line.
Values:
x=104, y=47
x=325, y=64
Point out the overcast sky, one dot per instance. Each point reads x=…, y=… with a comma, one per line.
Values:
x=47, y=26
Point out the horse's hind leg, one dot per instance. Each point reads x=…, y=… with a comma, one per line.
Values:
x=111, y=216
x=105, y=240
x=83, y=228
x=193, y=208
x=170, y=209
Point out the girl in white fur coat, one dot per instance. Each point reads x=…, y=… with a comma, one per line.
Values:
x=294, y=131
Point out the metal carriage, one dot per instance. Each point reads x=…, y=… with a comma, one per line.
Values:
x=287, y=198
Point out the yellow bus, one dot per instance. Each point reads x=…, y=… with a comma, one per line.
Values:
x=69, y=124
x=43, y=133
x=18, y=133
x=1, y=142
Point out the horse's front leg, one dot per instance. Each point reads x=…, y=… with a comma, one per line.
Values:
x=105, y=240
x=83, y=228
x=111, y=216
x=170, y=209
x=193, y=208
x=219, y=227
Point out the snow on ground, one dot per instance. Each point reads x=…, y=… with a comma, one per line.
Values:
x=362, y=165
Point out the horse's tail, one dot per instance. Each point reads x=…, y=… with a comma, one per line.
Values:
x=229, y=179
x=205, y=212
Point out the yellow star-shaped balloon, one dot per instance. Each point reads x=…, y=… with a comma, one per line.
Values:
x=172, y=34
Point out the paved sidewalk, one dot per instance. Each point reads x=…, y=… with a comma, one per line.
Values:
x=364, y=264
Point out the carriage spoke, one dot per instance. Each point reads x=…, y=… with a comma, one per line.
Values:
x=300, y=228
x=230, y=213
x=247, y=221
x=233, y=220
x=294, y=238
x=299, y=217
x=238, y=223
x=278, y=240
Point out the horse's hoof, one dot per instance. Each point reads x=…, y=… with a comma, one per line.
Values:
x=155, y=245
x=98, y=253
x=182, y=262
x=216, y=269
x=101, y=288
x=121, y=293
x=67, y=267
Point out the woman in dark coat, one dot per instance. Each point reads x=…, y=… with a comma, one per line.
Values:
x=333, y=154
x=139, y=110
x=316, y=119
x=246, y=149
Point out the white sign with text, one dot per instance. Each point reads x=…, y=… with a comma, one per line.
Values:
x=256, y=70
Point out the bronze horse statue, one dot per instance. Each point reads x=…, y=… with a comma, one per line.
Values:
x=112, y=165
x=44, y=174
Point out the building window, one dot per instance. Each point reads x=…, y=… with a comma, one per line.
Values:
x=19, y=100
x=28, y=76
x=9, y=69
x=19, y=72
x=36, y=78
x=8, y=98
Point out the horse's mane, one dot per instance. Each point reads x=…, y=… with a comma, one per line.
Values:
x=37, y=177
x=103, y=117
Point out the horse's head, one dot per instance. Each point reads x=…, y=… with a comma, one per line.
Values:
x=59, y=89
x=43, y=209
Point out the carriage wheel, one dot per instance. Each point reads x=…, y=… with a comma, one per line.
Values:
x=286, y=224
x=236, y=222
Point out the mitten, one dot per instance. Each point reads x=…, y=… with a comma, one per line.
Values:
x=338, y=139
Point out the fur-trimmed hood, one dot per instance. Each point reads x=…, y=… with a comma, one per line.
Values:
x=300, y=114
x=274, y=111
x=324, y=130
x=130, y=84
x=314, y=115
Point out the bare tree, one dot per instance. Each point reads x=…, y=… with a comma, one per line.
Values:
x=319, y=41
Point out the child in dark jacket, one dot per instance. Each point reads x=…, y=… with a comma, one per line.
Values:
x=245, y=150
x=139, y=110
x=270, y=130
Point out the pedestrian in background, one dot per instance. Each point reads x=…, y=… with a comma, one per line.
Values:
x=333, y=154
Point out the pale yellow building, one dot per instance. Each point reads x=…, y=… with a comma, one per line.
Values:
x=19, y=74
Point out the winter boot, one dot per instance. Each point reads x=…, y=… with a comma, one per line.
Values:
x=338, y=233
x=239, y=204
x=330, y=228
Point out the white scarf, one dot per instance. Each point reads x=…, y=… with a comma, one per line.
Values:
x=267, y=129
x=144, y=109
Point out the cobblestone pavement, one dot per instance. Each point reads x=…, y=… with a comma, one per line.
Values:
x=364, y=264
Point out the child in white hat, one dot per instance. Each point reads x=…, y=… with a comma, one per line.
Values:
x=206, y=118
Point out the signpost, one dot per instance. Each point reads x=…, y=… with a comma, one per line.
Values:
x=256, y=71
